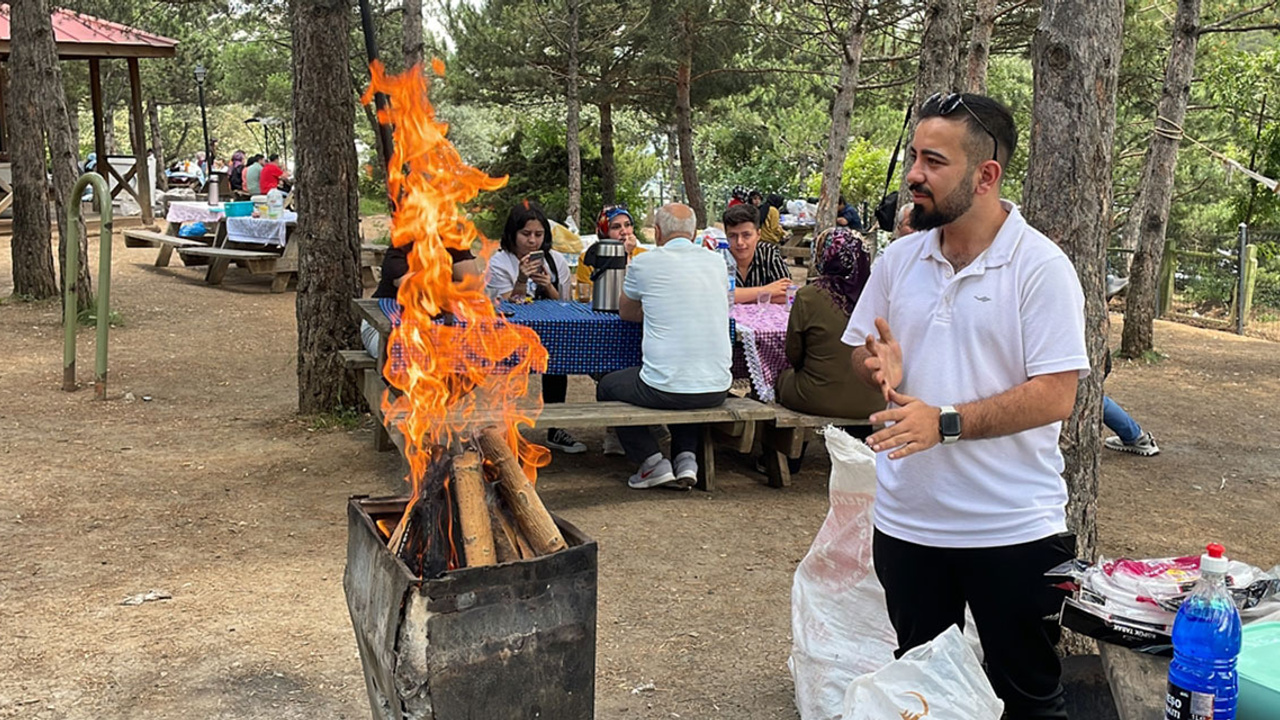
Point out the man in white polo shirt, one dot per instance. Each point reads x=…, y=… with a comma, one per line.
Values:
x=678, y=292
x=973, y=327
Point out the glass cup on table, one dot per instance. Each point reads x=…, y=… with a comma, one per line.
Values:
x=791, y=294
x=764, y=297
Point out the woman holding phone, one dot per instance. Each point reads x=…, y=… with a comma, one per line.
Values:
x=526, y=268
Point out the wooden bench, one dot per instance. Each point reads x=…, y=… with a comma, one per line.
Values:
x=798, y=254
x=136, y=238
x=735, y=420
x=257, y=261
x=371, y=254
x=785, y=435
x=357, y=360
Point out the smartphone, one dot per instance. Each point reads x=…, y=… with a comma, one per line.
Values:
x=536, y=256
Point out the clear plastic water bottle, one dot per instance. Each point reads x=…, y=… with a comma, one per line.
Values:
x=1206, y=641
x=731, y=269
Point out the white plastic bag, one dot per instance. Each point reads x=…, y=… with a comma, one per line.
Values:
x=839, y=625
x=940, y=680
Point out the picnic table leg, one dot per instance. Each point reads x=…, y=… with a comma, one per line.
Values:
x=776, y=467
x=166, y=254
x=217, y=270
x=280, y=282
x=706, y=456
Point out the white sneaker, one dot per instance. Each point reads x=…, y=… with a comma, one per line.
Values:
x=686, y=470
x=653, y=472
x=612, y=445
x=1145, y=445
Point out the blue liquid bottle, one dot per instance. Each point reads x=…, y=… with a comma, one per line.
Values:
x=1206, y=641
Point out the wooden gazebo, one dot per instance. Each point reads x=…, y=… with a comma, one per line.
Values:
x=83, y=37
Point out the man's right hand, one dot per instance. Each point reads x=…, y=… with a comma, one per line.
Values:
x=777, y=289
x=885, y=361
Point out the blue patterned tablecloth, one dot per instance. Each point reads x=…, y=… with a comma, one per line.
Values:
x=579, y=341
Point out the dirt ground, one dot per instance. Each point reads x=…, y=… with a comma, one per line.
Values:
x=197, y=479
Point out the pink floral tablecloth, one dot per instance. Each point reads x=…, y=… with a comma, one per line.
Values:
x=762, y=333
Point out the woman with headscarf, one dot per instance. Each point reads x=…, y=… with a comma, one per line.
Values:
x=236, y=172
x=613, y=223
x=820, y=381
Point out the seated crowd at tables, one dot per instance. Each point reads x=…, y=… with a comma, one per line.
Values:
x=686, y=354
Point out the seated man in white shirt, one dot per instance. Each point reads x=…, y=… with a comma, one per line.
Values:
x=678, y=292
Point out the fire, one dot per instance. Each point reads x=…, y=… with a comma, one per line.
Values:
x=463, y=372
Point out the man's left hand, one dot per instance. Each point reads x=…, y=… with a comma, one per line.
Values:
x=914, y=429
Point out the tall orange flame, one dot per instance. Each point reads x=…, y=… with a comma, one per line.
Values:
x=454, y=375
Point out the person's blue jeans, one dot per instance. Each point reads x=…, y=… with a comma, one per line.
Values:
x=1114, y=417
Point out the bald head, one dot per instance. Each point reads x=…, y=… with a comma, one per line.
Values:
x=672, y=221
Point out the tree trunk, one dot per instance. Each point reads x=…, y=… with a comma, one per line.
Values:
x=412, y=27
x=1155, y=189
x=939, y=67
x=673, y=165
x=572, y=143
x=64, y=153
x=328, y=215
x=841, y=117
x=1067, y=196
x=608, y=163
x=157, y=144
x=109, y=130
x=31, y=246
x=984, y=21
x=684, y=125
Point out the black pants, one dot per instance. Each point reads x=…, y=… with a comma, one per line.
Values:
x=1013, y=604
x=639, y=442
x=554, y=389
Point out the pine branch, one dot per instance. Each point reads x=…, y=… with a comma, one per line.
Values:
x=1224, y=22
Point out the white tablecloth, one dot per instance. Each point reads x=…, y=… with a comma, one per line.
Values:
x=260, y=231
x=184, y=211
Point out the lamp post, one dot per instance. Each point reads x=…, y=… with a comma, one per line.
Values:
x=204, y=120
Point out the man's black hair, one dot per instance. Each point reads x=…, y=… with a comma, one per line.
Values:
x=739, y=214
x=977, y=111
x=274, y=157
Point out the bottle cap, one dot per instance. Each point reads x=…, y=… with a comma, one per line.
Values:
x=1213, y=561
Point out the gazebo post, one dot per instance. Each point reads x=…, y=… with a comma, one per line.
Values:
x=95, y=98
x=4, y=126
x=143, y=174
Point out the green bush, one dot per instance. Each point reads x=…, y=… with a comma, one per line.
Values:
x=536, y=162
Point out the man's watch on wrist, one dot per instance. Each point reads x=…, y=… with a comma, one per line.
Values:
x=949, y=425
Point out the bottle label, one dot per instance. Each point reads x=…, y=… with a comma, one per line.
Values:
x=1183, y=704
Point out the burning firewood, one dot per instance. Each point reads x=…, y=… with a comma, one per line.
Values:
x=532, y=518
x=473, y=511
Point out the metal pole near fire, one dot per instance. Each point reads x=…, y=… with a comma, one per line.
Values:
x=70, y=319
x=204, y=121
x=379, y=100
x=1242, y=262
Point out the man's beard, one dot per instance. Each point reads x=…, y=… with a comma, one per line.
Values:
x=945, y=211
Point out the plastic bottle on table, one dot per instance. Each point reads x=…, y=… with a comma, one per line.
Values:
x=275, y=203
x=1206, y=641
x=731, y=269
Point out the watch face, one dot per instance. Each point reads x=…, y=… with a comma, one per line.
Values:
x=949, y=424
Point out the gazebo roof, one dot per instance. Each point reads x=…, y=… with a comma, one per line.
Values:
x=81, y=37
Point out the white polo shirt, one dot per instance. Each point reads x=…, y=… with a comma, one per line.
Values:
x=686, y=318
x=1015, y=312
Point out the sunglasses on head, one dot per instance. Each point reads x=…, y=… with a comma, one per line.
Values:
x=948, y=103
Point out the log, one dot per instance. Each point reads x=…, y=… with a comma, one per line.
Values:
x=473, y=510
x=531, y=516
x=504, y=539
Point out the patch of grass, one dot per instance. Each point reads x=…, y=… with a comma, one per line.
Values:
x=18, y=297
x=89, y=318
x=373, y=206
x=1153, y=357
x=344, y=418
